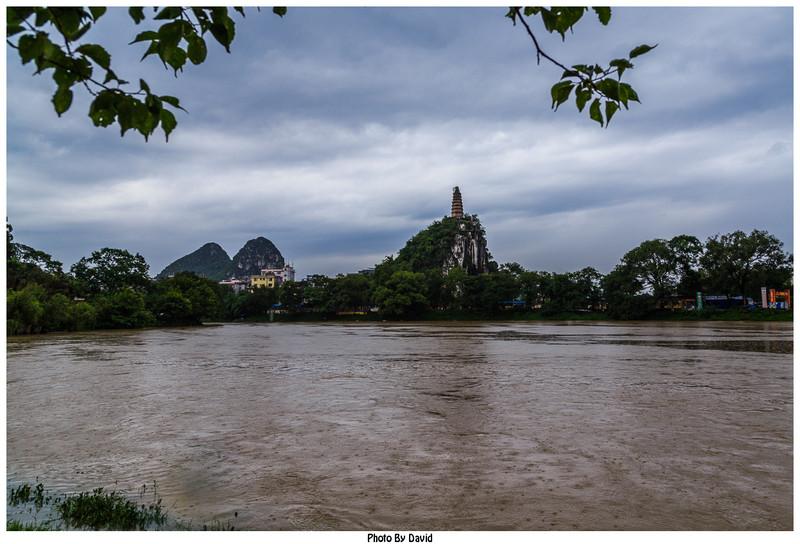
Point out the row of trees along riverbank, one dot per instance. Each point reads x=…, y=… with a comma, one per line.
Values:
x=112, y=288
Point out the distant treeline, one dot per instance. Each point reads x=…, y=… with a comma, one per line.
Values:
x=112, y=288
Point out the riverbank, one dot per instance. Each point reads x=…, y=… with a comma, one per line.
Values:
x=737, y=314
x=441, y=316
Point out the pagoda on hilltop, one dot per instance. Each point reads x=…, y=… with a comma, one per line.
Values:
x=457, y=209
x=455, y=241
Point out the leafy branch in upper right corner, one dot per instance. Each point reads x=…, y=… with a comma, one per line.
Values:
x=591, y=82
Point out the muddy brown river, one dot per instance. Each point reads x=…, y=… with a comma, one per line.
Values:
x=500, y=426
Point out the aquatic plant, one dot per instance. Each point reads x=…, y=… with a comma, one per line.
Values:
x=99, y=509
x=16, y=525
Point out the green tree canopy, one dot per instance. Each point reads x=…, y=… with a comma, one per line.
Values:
x=621, y=289
x=733, y=260
x=112, y=270
x=123, y=309
x=184, y=299
x=290, y=295
x=656, y=265
x=350, y=293
x=403, y=295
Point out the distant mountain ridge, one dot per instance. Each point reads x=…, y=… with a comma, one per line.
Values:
x=211, y=261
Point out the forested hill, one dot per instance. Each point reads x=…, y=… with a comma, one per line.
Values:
x=446, y=244
x=211, y=261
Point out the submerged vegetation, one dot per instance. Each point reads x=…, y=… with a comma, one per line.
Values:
x=99, y=509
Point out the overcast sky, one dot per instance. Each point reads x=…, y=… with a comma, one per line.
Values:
x=339, y=133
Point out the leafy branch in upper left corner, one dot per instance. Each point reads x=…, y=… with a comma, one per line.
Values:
x=75, y=62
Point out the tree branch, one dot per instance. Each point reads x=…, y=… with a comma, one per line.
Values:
x=539, y=51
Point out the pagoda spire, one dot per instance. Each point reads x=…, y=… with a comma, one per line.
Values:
x=457, y=210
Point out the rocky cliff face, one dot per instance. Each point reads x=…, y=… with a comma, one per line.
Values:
x=211, y=261
x=256, y=255
x=468, y=249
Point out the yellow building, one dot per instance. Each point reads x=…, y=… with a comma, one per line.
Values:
x=264, y=280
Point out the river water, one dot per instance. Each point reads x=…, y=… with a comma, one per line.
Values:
x=491, y=426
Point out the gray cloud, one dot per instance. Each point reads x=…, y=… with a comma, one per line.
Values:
x=338, y=134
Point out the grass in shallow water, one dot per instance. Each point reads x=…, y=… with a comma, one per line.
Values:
x=97, y=510
x=101, y=509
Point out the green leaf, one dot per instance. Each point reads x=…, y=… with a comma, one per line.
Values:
x=147, y=35
x=64, y=77
x=629, y=92
x=153, y=49
x=197, y=50
x=279, y=11
x=169, y=13
x=97, y=12
x=560, y=93
x=641, y=50
x=13, y=29
x=177, y=58
x=153, y=103
x=111, y=76
x=143, y=119
x=512, y=14
x=170, y=34
x=611, y=109
x=621, y=65
x=583, y=69
x=51, y=56
x=81, y=67
x=30, y=47
x=96, y=53
x=62, y=99
x=81, y=31
x=623, y=95
x=15, y=16
x=137, y=14
x=594, y=111
x=102, y=110
x=604, y=14
x=43, y=15
x=125, y=114
x=168, y=122
x=172, y=101
x=67, y=19
x=222, y=27
x=561, y=19
x=582, y=96
x=609, y=88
